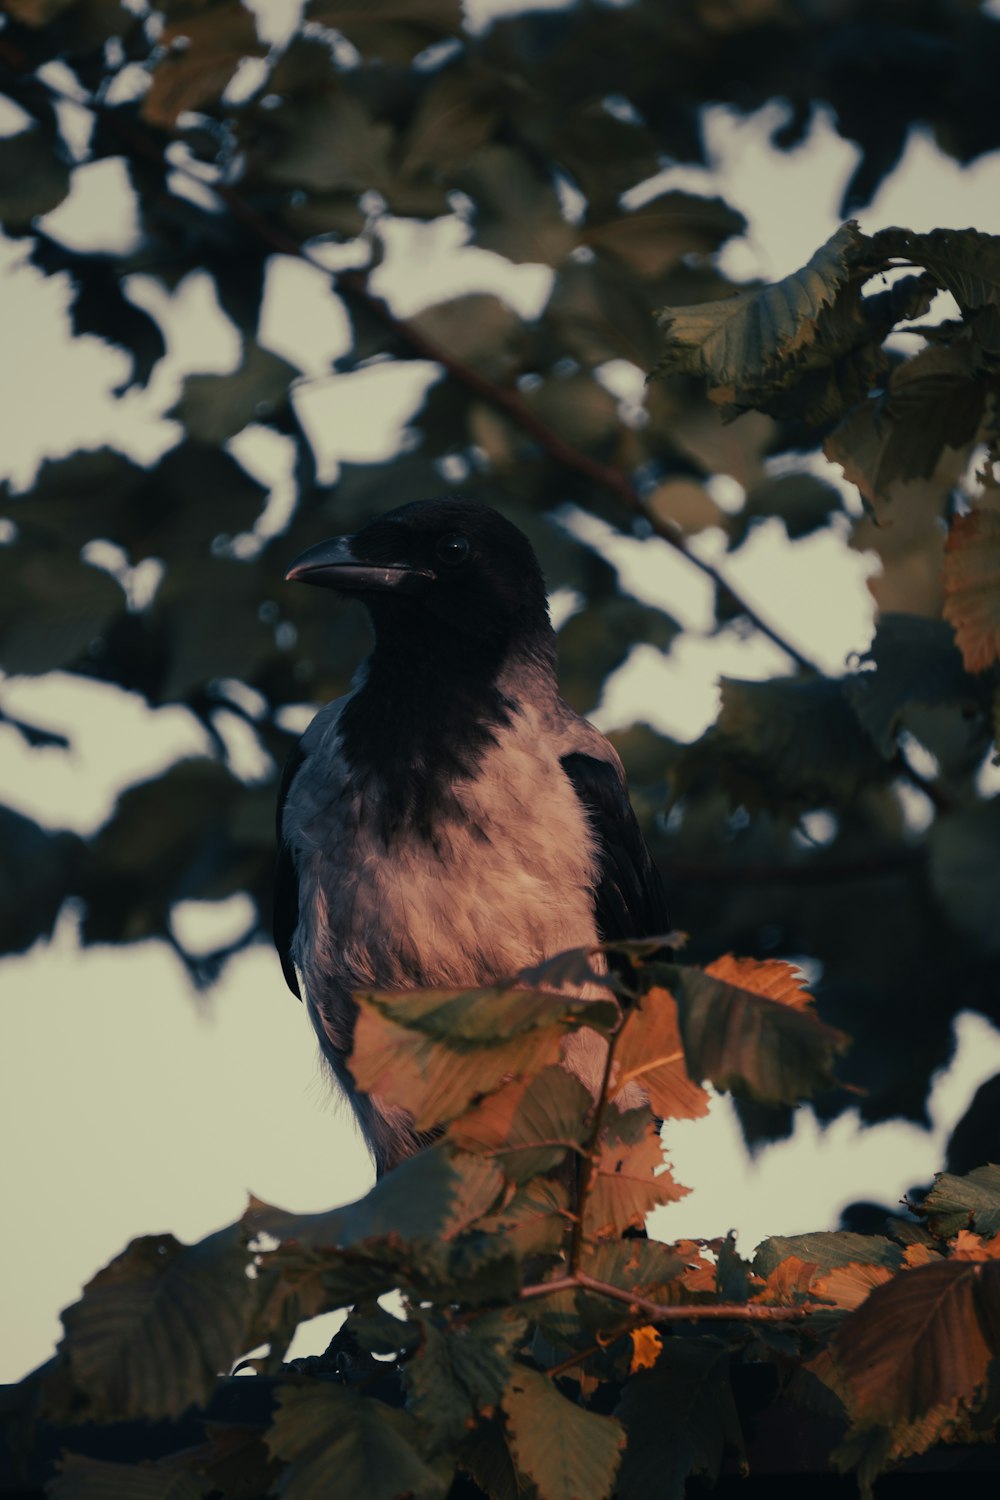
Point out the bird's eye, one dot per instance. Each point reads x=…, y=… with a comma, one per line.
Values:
x=453, y=549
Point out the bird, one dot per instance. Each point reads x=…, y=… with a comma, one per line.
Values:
x=450, y=821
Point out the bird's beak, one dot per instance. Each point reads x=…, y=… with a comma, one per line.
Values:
x=333, y=565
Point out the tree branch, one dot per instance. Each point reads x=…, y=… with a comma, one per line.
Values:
x=656, y=1312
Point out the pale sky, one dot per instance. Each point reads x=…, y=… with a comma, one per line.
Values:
x=144, y=1108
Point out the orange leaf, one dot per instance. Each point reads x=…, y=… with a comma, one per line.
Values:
x=651, y=1054
x=848, y=1286
x=770, y=977
x=646, y=1346
x=789, y=1282
x=626, y=1186
x=972, y=587
x=970, y=1246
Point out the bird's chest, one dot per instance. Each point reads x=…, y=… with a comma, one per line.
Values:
x=501, y=878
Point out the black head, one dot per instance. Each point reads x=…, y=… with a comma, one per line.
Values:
x=450, y=566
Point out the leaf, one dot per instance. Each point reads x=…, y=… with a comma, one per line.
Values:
x=964, y=262
x=596, y=312
x=956, y=1203
x=432, y=1195
x=34, y=178
x=456, y=114
x=486, y=1456
x=527, y=1125
x=339, y=1442
x=914, y=661
x=459, y=1372
x=656, y=237
x=534, y=1222
x=395, y=30
x=81, y=1478
x=828, y=1251
x=568, y=1453
x=204, y=49
x=685, y=504
x=158, y=1324
x=647, y=1346
x=650, y=1052
x=516, y=209
x=326, y=143
x=480, y=330
x=922, y=1340
x=627, y=1182
x=739, y=343
x=213, y=408
x=803, y=504
x=965, y=869
x=972, y=586
x=849, y=1286
x=596, y=641
x=680, y=1418
x=738, y=1039
x=452, y=1045
x=786, y=744
x=53, y=607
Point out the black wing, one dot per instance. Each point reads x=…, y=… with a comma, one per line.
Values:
x=286, y=880
x=629, y=898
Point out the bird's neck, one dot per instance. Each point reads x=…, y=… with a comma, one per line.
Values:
x=426, y=712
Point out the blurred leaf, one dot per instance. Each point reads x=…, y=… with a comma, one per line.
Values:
x=480, y=330
x=336, y=1440
x=204, y=50
x=485, y=1455
x=326, y=143
x=956, y=1203
x=516, y=207
x=158, y=1324
x=78, y=498
x=914, y=661
x=687, y=505
x=38, y=871
x=596, y=312
x=680, y=1418
x=965, y=869
x=34, y=178
x=53, y=607
x=395, y=30
x=82, y=1478
x=593, y=643
x=457, y=113
x=802, y=503
x=827, y=1251
x=196, y=494
x=787, y=743
x=215, y=407
x=568, y=1453
x=737, y=1038
x=972, y=586
x=655, y=237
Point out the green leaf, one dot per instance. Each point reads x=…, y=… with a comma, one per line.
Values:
x=739, y=343
x=788, y=744
x=914, y=660
x=594, y=642
x=656, y=237
x=81, y=1478
x=965, y=869
x=459, y=1370
x=534, y=1222
x=158, y=1324
x=803, y=503
x=971, y=1202
x=338, y=1442
x=777, y=1053
x=34, y=179
x=517, y=210
x=964, y=262
x=326, y=142
x=395, y=30
x=486, y=1456
x=680, y=1418
x=52, y=608
x=433, y=1195
x=213, y=408
x=827, y=1250
x=567, y=1452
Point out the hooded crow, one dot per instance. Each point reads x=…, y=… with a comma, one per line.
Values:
x=450, y=821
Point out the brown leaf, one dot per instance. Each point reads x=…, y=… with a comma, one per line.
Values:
x=650, y=1053
x=771, y=977
x=849, y=1286
x=972, y=587
x=687, y=505
x=627, y=1185
x=205, y=49
x=922, y=1340
x=791, y=1281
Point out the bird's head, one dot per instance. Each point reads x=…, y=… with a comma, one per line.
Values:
x=453, y=561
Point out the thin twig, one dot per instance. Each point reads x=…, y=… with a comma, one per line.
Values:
x=591, y=1156
x=656, y=1312
x=354, y=285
